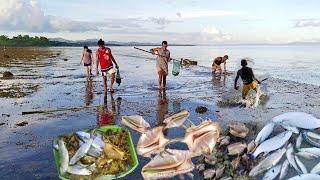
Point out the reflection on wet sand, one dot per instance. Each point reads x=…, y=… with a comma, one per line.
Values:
x=162, y=107
x=107, y=114
x=104, y=115
x=88, y=93
x=216, y=79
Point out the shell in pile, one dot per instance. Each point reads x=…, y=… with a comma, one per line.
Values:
x=151, y=142
x=168, y=165
x=238, y=129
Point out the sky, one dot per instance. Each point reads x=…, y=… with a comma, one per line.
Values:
x=177, y=21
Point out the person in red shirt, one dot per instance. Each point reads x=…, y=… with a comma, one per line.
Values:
x=105, y=59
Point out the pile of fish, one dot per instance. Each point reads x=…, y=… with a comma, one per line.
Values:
x=280, y=149
x=94, y=154
x=228, y=155
x=165, y=163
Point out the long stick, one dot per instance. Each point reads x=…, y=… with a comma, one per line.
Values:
x=153, y=54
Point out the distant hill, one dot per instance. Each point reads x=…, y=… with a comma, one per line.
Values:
x=93, y=42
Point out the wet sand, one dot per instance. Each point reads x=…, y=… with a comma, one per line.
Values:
x=26, y=151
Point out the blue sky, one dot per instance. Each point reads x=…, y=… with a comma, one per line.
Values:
x=179, y=21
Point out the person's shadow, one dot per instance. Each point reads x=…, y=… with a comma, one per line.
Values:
x=88, y=97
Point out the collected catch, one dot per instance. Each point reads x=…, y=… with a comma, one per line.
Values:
x=299, y=141
x=81, y=152
x=264, y=133
x=236, y=148
x=309, y=140
x=313, y=135
x=113, y=152
x=151, y=142
x=312, y=150
x=306, y=155
x=305, y=177
x=251, y=146
x=209, y=173
x=64, y=156
x=201, y=139
x=291, y=159
x=224, y=140
x=168, y=165
x=273, y=143
x=272, y=173
x=297, y=119
x=78, y=170
x=176, y=119
x=268, y=162
x=292, y=129
x=238, y=129
x=136, y=123
x=284, y=169
x=301, y=165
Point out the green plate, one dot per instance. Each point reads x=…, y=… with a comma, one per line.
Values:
x=103, y=129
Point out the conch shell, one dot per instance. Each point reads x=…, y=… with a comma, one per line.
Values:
x=113, y=152
x=238, y=129
x=151, y=142
x=168, y=165
x=136, y=123
x=236, y=148
x=201, y=139
x=176, y=119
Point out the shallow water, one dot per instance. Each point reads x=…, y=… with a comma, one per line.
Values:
x=62, y=85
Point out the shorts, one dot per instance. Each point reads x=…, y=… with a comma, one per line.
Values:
x=248, y=87
x=85, y=64
x=216, y=67
x=110, y=72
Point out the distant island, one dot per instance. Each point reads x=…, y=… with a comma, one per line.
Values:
x=26, y=40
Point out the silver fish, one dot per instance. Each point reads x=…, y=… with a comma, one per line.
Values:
x=301, y=165
x=299, y=141
x=64, y=156
x=310, y=140
x=264, y=133
x=284, y=169
x=78, y=170
x=313, y=135
x=272, y=173
x=306, y=155
x=312, y=150
x=83, y=135
x=273, y=143
x=297, y=119
x=291, y=128
x=94, y=152
x=315, y=169
x=291, y=159
x=81, y=152
x=306, y=177
x=268, y=162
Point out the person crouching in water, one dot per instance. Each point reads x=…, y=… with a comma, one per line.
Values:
x=216, y=64
x=248, y=79
x=87, y=60
x=162, y=63
x=106, y=60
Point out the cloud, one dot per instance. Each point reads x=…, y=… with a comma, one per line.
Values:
x=20, y=15
x=299, y=23
x=207, y=13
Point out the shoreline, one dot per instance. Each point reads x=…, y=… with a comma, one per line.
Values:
x=29, y=147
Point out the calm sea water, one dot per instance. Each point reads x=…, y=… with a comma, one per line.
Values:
x=296, y=63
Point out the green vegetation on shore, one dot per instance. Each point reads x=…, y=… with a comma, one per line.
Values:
x=25, y=40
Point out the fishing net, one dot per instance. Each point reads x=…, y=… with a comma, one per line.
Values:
x=118, y=78
x=176, y=67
